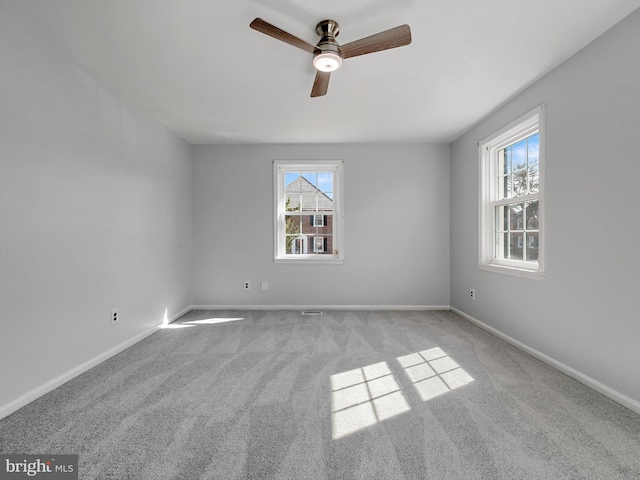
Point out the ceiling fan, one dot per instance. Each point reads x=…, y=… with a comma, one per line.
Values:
x=328, y=53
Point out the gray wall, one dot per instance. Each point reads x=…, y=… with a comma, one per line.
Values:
x=396, y=227
x=584, y=314
x=95, y=210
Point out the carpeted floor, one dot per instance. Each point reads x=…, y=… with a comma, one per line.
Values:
x=349, y=394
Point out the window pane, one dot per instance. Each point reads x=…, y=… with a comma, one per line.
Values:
x=502, y=245
x=516, y=246
x=327, y=225
x=321, y=245
x=311, y=178
x=309, y=193
x=519, y=183
x=325, y=182
x=534, y=178
x=292, y=224
x=298, y=245
x=520, y=165
x=309, y=202
x=519, y=155
x=325, y=191
x=532, y=247
x=532, y=215
x=290, y=178
x=503, y=187
x=502, y=218
x=309, y=225
x=325, y=203
x=292, y=192
x=292, y=202
x=516, y=221
x=534, y=163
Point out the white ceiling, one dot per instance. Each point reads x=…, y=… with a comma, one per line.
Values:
x=199, y=69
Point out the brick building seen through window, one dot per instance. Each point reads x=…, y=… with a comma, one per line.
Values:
x=309, y=225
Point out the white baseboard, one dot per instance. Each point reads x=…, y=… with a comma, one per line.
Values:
x=180, y=313
x=320, y=307
x=614, y=395
x=37, y=392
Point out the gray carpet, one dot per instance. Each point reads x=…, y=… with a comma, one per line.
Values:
x=350, y=394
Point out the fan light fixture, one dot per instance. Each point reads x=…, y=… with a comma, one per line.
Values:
x=327, y=61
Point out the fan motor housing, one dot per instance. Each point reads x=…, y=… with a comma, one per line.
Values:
x=328, y=28
x=328, y=31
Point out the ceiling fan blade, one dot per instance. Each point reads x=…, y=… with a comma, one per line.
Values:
x=320, y=84
x=273, y=31
x=395, y=37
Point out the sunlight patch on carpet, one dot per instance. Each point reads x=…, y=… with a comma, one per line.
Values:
x=363, y=397
x=211, y=321
x=433, y=372
x=195, y=323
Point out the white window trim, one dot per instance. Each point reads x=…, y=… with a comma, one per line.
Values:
x=487, y=148
x=279, y=169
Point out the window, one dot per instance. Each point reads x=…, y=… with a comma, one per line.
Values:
x=511, y=198
x=308, y=211
x=320, y=245
x=318, y=220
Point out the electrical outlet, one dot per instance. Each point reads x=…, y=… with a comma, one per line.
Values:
x=472, y=294
x=115, y=318
x=247, y=285
x=264, y=285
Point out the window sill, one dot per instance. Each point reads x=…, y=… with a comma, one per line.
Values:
x=513, y=271
x=311, y=260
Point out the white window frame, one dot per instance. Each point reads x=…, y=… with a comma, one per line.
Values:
x=523, y=127
x=280, y=168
